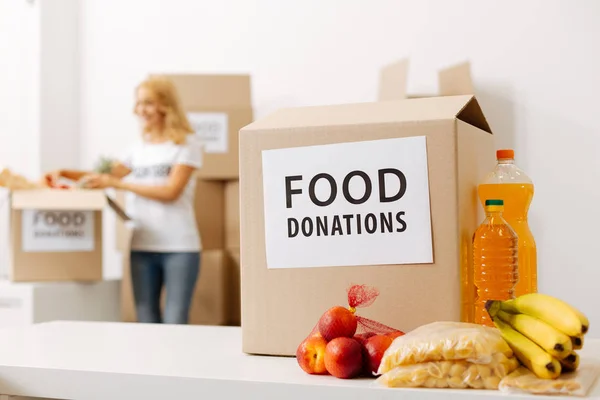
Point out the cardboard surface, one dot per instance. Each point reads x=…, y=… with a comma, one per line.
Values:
x=62, y=236
x=123, y=230
x=393, y=81
x=128, y=313
x=56, y=266
x=234, y=316
x=209, y=304
x=280, y=307
x=391, y=112
x=213, y=92
x=49, y=199
x=210, y=213
x=474, y=162
x=217, y=94
x=232, y=214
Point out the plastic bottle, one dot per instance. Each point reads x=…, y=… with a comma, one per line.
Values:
x=511, y=184
x=495, y=257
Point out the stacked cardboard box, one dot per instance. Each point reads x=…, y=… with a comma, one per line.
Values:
x=53, y=235
x=51, y=256
x=218, y=106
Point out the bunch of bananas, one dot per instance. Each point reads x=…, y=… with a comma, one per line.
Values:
x=543, y=332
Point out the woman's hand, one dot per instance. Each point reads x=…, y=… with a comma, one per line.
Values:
x=101, y=181
x=51, y=178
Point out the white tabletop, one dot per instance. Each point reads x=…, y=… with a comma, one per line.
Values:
x=100, y=361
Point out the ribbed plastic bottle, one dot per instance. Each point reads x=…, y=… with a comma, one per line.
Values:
x=495, y=258
x=509, y=183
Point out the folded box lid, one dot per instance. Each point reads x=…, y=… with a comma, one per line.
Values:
x=452, y=81
x=465, y=108
x=52, y=199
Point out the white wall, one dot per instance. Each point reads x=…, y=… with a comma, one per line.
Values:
x=59, y=84
x=536, y=65
x=39, y=86
x=19, y=82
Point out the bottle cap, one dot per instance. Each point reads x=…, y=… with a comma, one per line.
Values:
x=494, y=202
x=505, y=154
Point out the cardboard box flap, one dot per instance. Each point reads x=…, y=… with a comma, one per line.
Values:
x=456, y=80
x=452, y=81
x=117, y=209
x=213, y=92
x=430, y=108
x=473, y=115
x=393, y=80
x=48, y=199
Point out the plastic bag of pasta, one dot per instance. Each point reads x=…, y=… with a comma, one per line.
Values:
x=578, y=383
x=451, y=374
x=445, y=341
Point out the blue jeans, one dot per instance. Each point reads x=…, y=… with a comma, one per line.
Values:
x=177, y=271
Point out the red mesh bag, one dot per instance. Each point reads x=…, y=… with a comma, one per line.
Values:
x=362, y=296
x=343, y=322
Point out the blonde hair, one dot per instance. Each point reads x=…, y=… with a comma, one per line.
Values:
x=177, y=126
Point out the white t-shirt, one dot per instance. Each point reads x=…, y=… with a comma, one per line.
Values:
x=162, y=226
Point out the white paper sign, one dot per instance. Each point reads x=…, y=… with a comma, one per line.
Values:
x=57, y=231
x=347, y=204
x=212, y=128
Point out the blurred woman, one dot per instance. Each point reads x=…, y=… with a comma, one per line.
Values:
x=157, y=174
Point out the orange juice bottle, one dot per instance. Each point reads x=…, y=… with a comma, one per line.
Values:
x=509, y=183
x=495, y=257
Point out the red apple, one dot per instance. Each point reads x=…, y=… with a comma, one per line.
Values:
x=311, y=355
x=374, y=348
x=362, y=337
x=337, y=322
x=343, y=358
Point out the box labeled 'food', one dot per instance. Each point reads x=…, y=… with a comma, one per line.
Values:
x=217, y=106
x=381, y=194
x=53, y=235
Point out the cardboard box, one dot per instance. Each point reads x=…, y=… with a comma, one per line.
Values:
x=210, y=213
x=24, y=304
x=123, y=232
x=232, y=214
x=218, y=106
x=53, y=235
x=128, y=313
x=209, y=304
x=234, y=288
x=452, y=81
x=381, y=194
x=209, y=206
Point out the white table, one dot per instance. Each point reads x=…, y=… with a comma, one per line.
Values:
x=119, y=361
